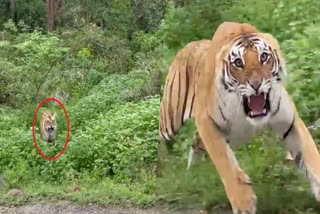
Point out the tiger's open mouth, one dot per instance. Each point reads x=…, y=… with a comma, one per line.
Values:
x=256, y=105
x=50, y=130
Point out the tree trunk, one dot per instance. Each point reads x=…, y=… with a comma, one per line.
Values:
x=58, y=4
x=51, y=12
x=13, y=11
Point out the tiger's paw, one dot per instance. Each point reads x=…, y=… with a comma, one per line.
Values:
x=241, y=196
x=245, y=202
x=315, y=187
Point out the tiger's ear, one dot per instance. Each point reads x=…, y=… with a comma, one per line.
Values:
x=272, y=41
x=276, y=47
x=54, y=115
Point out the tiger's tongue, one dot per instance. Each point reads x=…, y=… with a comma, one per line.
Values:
x=257, y=103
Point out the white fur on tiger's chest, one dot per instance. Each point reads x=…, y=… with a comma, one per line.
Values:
x=230, y=116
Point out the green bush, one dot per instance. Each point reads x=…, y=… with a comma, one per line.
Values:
x=32, y=12
x=148, y=15
x=302, y=55
x=112, y=15
x=114, y=89
x=194, y=22
x=124, y=140
x=31, y=60
x=104, y=53
x=284, y=19
x=149, y=57
x=120, y=142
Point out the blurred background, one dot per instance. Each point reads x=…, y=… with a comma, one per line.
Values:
x=107, y=60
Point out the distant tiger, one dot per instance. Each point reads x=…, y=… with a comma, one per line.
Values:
x=48, y=127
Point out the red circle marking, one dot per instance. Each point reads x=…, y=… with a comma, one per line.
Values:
x=33, y=131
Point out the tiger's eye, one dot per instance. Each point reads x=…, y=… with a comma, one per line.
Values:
x=238, y=63
x=264, y=57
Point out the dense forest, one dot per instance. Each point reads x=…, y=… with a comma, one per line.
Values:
x=107, y=60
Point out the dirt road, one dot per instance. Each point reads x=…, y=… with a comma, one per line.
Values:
x=69, y=208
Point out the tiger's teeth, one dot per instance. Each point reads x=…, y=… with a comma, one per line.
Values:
x=248, y=99
x=264, y=111
x=265, y=96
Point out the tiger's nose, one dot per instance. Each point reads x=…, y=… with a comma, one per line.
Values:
x=255, y=84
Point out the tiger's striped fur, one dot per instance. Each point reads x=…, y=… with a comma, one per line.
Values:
x=232, y=86
x=179, y=95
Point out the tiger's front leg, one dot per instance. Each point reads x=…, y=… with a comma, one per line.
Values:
x=237, y=184
x=299, y=142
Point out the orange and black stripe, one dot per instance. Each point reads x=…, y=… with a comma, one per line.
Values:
x=177, y=104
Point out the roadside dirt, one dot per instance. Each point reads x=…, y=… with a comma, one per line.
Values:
x=69, y=208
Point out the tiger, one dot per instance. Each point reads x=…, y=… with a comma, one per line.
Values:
x=48, y=127
x=232, y=86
